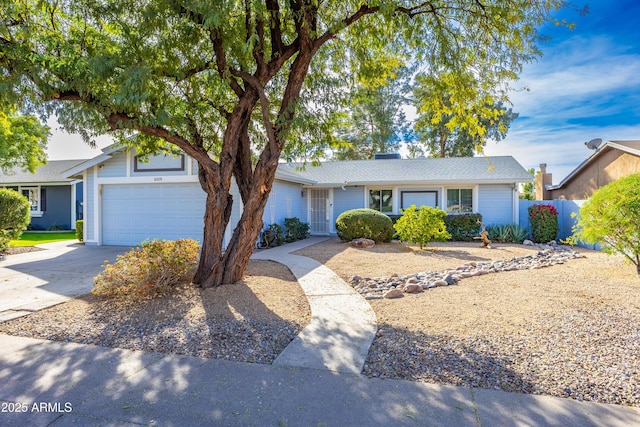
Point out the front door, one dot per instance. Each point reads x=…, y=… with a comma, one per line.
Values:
x=319, y=211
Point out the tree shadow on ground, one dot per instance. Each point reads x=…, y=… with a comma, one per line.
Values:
x=89, y=385
x=402, y=354
x=229, y=322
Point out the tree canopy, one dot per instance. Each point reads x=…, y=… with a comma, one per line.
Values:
x=374, y=120
x=457, y=114
x=23, y=140
x=230, y=82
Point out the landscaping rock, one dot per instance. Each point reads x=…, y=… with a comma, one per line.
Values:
x=395, y=285
x=355, y=280
x=393, y=293
x=412, y=288
x=363, y=243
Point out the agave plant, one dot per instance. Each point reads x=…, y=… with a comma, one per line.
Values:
x=507, y=233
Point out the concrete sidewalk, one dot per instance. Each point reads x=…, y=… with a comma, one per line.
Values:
x=343, y=325
x=84, y=385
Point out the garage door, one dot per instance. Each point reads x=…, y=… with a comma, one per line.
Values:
x=134, y=213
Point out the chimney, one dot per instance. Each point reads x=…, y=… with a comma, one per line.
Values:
x=542, y=180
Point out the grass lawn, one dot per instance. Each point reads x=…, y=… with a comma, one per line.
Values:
x=35, y=238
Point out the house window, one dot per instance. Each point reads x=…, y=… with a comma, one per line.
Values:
x=33, y=195
x=381, y=200
x=160, y=163
x=459, y=200
x=418, y=198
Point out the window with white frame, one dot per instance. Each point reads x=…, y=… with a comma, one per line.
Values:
x=381, y=200
x=459, y=200
x=33, y=195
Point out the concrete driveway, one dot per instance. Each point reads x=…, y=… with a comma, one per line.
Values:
x=35, y=280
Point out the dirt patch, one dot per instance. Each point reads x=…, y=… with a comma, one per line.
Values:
x=385, y=259
x=22, y=250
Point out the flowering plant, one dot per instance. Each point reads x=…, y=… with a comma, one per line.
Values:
x=544, y=223
x=148, y=270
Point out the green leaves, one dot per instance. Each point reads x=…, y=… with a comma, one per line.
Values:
x=611, y=217
x=14, y=216
x=422, y=225
x=22, y=141
x=457, y=115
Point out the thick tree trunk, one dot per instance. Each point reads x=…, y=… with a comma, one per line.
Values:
x=218, y=267
x=216, y=218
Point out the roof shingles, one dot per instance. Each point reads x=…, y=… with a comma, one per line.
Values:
x=500, y=169
x=51, y=172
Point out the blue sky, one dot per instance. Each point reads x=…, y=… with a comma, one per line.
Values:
x=585, y=86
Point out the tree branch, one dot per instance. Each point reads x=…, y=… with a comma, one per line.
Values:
x=221, y=60
x=119, y=120
x=277, y=46
x=350, y=20
x=264, y=104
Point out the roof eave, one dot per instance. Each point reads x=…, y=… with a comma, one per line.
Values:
x=515, y=180
x=74, y=171
x=581, y=166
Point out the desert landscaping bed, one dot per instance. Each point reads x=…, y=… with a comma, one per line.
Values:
x=571, y=330
x=250, y=321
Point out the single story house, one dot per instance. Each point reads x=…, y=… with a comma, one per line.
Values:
x=56, y=200
x=610, y=161
x=129, y=199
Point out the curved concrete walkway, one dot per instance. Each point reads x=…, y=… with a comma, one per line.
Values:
x=343, y=325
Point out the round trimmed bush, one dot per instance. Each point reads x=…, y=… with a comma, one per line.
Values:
x=15, y=216
x=364, y=223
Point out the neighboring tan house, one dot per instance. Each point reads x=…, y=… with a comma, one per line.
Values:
x=129, y=200
x=611, y=161
x=56, y=201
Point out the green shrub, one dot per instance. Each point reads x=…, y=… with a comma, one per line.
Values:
x=422, y=225
x=80, y=230
x=148, y=270
x=611, y=217
x=507, y=233
x=278, y=233
x=367, y=223
x=15, y=216
x=295, y=229
x=463, y=227
x=544, y=223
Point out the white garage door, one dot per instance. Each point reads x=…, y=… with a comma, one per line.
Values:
x=134, y=213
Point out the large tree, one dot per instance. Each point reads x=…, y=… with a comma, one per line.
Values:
x=23, y=140
x=458, y=113
x=375, y=121
x=222, y=80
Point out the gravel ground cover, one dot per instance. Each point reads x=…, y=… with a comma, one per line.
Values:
x=250, y=321
x=571, y=330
